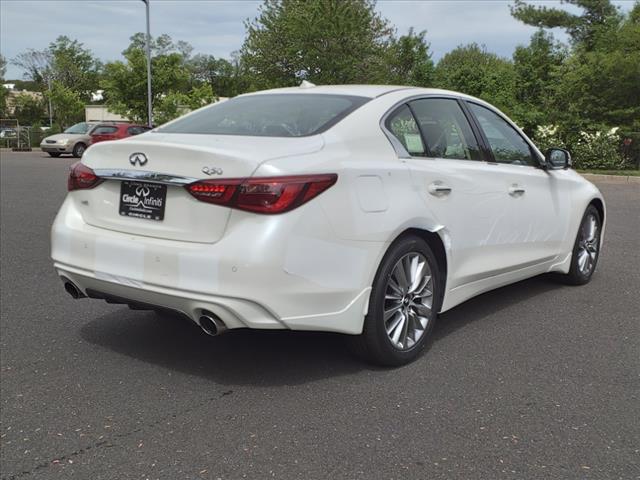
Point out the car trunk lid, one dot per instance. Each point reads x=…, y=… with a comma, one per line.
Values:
x=172, y=161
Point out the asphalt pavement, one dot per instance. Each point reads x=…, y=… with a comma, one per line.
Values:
x=534, y=380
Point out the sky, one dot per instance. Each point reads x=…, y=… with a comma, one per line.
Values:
x=217, y=27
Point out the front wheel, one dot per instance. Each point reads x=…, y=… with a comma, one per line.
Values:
x=404, y=302
x=586, y=248
x=79, y=149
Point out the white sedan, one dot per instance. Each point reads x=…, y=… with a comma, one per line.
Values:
x=364, y=210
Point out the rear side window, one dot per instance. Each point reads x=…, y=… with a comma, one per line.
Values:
x=269, y=115
x=445, y=128
x=506, y=143
x=104, y=130
x=404, y=127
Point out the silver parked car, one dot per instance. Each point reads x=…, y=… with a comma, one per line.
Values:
x=73, y=140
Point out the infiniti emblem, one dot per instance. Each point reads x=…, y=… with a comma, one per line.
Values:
x=137, y=158
x=212, y=171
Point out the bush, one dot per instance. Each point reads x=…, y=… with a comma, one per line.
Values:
x=598, y=150
x=547, y=136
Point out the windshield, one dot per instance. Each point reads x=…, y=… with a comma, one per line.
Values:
x=269, y=115
x=81, y=128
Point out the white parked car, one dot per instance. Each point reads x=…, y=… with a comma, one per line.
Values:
x=364, y=210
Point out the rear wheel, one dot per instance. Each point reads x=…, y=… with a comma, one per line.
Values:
x=79, y=149
x=586, y=248
x=403, y=306
x=54, y=154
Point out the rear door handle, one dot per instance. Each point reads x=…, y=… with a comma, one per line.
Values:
x=515, y=190
x=437, y=188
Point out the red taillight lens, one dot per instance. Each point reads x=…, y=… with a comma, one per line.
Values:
x=81, y=177
x=264, y=194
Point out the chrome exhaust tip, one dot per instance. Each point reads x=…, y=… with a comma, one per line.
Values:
x=211, y=324
x=72, y=290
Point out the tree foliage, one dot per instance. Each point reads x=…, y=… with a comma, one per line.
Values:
x=408, y=60
x=68, y=107
x=324, y=42
x=584, y=28
x=472, y=70
x=28, y=109
x=125, y=83
x=225, y=77
x=537, y=67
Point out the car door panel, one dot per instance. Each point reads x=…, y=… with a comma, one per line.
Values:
x=535, y=223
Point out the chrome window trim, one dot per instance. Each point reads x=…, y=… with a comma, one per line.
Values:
x=395, y=143
x=143, y=176
x=404, y=155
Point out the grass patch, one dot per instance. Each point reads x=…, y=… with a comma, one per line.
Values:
x=626, y=173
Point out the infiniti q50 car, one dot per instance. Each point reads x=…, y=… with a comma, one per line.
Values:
x=364, y=210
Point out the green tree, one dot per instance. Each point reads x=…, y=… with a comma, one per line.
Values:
x=324, y=41
x=537, y=67
x=125, y=83
x=74, y=66
x=472, y=70
x=28, y=109
x=175, y=104
x=225, y=77
x=68, y=107
x=596, y=17
x=408, y=60
x=65, y=61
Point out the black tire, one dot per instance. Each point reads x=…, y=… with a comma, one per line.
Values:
x=54, y=154
x=78, y=149
x=577, y=275
x=374, y=344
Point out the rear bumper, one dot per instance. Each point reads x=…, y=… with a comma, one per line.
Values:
x=266, y=272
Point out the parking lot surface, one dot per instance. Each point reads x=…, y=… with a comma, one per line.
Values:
x=535, y=380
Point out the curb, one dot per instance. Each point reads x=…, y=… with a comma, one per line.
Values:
x=595, y=177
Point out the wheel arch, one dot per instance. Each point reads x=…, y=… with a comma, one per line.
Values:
x=437, y=246
x=599, y=204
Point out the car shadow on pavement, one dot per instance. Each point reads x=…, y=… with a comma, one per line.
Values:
x=254, y=357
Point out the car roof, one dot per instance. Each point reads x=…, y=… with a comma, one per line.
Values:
x=369, y=91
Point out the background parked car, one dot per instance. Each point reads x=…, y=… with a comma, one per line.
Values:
x=7, y=133
x=115, y=131
x=73, y=140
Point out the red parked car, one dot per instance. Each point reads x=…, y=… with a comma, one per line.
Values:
x=115, y=131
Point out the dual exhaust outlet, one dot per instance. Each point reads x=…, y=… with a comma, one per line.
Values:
x=209, y=322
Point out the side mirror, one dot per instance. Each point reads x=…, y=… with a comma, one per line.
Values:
x=557, y=158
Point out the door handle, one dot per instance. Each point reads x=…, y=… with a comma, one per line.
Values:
x=437, y=188
x=515, y=190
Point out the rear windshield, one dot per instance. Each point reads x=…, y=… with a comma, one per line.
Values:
x=269, y=115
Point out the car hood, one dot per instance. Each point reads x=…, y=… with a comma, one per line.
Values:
x=64, y=136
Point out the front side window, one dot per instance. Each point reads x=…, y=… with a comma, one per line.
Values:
x=506, y=143
x=445, y=128
x=269, y=115
x=404, y=127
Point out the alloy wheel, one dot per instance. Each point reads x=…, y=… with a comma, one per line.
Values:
x=588, y=245
x=408, y=301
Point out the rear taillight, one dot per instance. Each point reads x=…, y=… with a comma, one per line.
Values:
x=263, y=194
x=81, y=177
